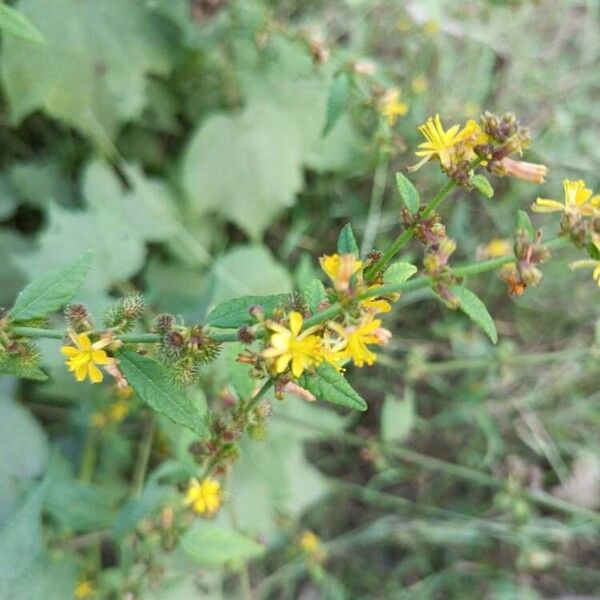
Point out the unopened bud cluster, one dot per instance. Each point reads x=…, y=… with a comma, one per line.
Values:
x=184, y=349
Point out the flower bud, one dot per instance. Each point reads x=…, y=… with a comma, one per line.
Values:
x=78, y=317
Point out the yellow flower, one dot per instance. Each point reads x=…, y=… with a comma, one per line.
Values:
x=340, y=269
x=355, y=339
x=442, y=144
x=495, y=249
x=84, y=589
x=578, y=200
x=302, y=350
x=205, y=497
x=431, y=26
x=84, y=356
x=392, y=107
x=376, y=305
x=117, y=411
x=310, y=544
x=419, y=84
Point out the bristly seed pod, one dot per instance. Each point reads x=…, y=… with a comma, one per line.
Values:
x=133, y=306
x=78, y=317
x=174, y=342
x=163, y=323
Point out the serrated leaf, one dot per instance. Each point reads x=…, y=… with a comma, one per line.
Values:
x=314, y=294
x=476, y=310
x=481, y=183
x=13, y=22
x=524, y=224
x=13, y=365
x=235, y=312
x=51, y=291
x=346, y=243
x=408, y=193
x=213, y=545
x=337, y=102
x=80, y=75
x=399, y=272
x=153, y=384
x=330, y=385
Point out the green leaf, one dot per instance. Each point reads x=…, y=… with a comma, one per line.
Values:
x=408, y=193
x=314, y=294
x=593, y=251
x=524, y=224
x=481, y=183
x=235, y=312
x=51, y=291
x=337, y=103
x=16, y=24
x=213, y=545
x=399, y=272
x=347, y=242
x=13, y=365
x=153, y=384
x=476, y=310
x=81, y=75
x=397, y=417
x=330, y=385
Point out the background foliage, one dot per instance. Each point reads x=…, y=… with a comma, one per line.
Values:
x=182, y=141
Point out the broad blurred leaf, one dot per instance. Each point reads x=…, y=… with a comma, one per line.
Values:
x=397, y=417
x=330, y=385
x=476, y=310
x=153, y=384
x=52, y=290
x=24, y=452
x=49, y=578
x=213, y=545
x=21, y=541
x=14, y=23
x=236, y=312
x=245, y=167
x=91, y=72
x=337, y=102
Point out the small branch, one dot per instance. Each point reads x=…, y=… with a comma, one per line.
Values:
x=407, y=234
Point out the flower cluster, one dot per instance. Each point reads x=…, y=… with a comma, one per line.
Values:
x=292, y=348
x=489, y=143
x=523, y=272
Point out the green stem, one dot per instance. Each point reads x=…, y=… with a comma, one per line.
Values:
x=407, y=234
x=141, y=466
x=89, y=455
x=259, y=395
